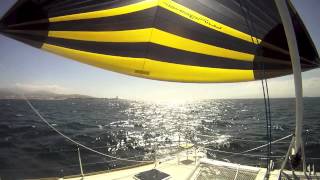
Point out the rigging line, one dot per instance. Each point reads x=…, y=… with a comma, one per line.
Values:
x=265, y=98
x=262, y=146
x=112, y=160
x=96, y=147
x=264, y=80
x=106, y=146
x=268, y=112
x=253, y=33
x=269, y=115
x=73, y=141
x=245, y=14
x=234, y=153
x=236, y=139
x=268, y=108
x=64, y=167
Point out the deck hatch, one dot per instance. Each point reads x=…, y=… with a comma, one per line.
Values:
x=153, y=174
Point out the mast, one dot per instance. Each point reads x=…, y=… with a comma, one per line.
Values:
x=296, y=67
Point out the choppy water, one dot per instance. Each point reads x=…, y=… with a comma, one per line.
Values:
x=29, y=149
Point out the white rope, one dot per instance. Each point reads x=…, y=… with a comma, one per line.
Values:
x=235, y=139
x=234, y=153
x=253, y=149
x=73, y=141
x=96, y=147
x=122, y=159
x=62, y=167
x=249, y=155
x=259, y=147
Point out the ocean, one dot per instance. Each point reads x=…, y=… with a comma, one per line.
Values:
x=133, y=129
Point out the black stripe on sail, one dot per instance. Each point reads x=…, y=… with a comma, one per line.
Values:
x=137, y=50
x=166, y=21
x=151, y=51
x=31, y=40
x=231, y=14
x=272, y=73
x=161, y=53
x=137, y=20
x=25, y=11
x=188, y=58
x=76, y=7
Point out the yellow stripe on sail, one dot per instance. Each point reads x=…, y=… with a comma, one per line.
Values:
x=139, y=35
x=157, y=37
x=115, y=63
x=108, y=12
x=184, y=73
x=153, y=69
x=177, y=42
x=205, y=21
x=167, y=4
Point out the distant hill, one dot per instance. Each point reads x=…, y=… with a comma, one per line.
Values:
x=44, y=95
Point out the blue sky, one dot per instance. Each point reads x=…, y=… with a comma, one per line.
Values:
x=29, y=68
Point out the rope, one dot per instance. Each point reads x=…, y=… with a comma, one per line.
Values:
x=252, y=30
x=259, y=147
x=73, y=141
x=128, y=160
x=269, y=121
x=64, y=167
x=234, y=153
x=242, y=140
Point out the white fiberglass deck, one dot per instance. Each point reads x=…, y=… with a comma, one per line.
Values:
x=182, y=167
x=202, y=170
x=177, y=171
x=185, y=166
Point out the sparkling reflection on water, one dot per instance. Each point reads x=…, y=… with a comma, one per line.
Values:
x=125, y=128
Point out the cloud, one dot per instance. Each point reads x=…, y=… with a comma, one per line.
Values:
x=285, y=87
x=312, y=86
x=278, y=88
x=42, y=87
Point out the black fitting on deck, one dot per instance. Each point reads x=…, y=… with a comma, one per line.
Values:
x=295, y=160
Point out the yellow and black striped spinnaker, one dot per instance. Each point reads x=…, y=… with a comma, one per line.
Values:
x=171, y=40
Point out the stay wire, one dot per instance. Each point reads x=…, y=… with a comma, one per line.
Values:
x=73, y=141
x=262, y=146
x=263, y=81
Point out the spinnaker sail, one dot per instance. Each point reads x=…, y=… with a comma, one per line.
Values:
x=170, y=40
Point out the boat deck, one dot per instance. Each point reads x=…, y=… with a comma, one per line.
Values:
x=185, y=166
x=178, y=168
x=211, y=169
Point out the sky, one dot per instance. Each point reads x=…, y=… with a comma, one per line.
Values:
x=25, y=67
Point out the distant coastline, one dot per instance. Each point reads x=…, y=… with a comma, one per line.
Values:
x=40, y=95
x=11, y=94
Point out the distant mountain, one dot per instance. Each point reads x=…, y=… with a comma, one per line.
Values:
x=44, y=95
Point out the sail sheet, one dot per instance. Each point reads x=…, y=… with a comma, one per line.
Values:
x=170, y=40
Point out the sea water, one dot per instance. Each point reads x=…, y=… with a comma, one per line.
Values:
x=134, y=129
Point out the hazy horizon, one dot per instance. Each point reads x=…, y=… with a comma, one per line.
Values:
x=41, y=92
